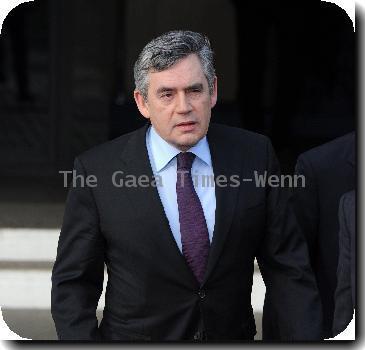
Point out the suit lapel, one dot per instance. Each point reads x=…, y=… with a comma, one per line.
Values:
x=148, y=203
x=225, y=162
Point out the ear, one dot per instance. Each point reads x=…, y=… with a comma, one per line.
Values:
x=141, y=104
x=214, y=95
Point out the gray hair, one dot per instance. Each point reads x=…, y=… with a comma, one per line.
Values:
x=165, y=50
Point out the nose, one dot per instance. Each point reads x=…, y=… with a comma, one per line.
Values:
x=183, y=104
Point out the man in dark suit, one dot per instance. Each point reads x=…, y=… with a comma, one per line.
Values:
x=180, y=254
x=346, y=270
x=329, y=172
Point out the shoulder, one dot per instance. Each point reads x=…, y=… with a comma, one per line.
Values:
x=236, y=145
x=336, y=150
x=236, y=136
x=109, y=151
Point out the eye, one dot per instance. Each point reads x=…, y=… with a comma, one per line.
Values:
x=195, y=92
x=166, y=95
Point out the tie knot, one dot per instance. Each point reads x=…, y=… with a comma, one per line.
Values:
x=185, y=160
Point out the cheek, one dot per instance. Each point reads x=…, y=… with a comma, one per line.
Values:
x=206, y=105
x=164, y=111
x=161, y=115
x=206, y=112
x=164, y=120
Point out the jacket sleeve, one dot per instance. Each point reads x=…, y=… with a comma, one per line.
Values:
x=78, y=272
x=292, y=307
x=343, y=300
x=306, y=206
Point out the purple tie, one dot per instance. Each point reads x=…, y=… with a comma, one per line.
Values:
x=193, y=227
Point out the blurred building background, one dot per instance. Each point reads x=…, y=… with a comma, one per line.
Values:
x=287, y=71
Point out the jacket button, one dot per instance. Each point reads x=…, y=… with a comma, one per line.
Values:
x=201, y=294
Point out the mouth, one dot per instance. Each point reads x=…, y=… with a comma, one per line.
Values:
x=186, y=126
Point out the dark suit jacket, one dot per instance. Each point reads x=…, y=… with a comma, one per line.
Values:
x=346, y=282
x=151, y=292
x=330, y=172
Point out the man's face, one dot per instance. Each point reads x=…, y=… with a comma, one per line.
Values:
x=179, y=103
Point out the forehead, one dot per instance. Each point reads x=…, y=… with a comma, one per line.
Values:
x=184, y=72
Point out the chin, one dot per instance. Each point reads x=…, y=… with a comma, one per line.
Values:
x=189, y=142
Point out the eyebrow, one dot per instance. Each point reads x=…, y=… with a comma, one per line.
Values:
x=191, y=87
x=163, y=89
x=198, y=86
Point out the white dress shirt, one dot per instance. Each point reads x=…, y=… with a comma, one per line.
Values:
x=162, y=157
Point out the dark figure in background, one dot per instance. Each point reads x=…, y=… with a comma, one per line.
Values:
x=180, y=258
x=329, y=172
x=14, y=30
x=346, y=271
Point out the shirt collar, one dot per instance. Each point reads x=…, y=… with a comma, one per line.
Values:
x=163, y=152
